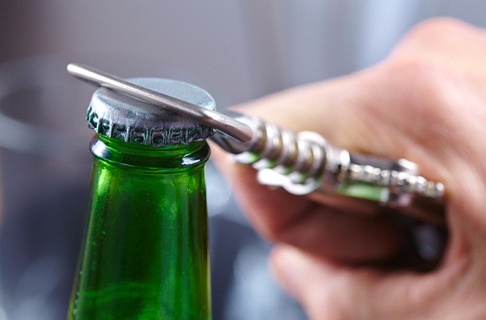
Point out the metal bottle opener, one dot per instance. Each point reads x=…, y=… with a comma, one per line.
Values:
x=303, y=163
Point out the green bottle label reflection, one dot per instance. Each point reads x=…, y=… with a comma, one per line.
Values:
x=146, y=252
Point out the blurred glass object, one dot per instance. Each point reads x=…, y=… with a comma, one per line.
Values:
x=44, y=176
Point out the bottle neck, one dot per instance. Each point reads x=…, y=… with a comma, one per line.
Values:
x=173, y=157
x=146, y=251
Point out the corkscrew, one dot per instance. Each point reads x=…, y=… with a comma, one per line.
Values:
x=302, y=163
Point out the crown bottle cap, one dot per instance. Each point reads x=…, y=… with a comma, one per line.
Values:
x=119, y=116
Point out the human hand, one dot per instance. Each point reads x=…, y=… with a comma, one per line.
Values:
x=425, y=103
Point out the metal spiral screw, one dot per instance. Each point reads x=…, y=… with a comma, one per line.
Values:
x=285, y=152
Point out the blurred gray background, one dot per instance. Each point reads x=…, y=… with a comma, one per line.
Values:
x=236, y=49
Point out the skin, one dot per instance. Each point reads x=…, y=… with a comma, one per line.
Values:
x=427, y=103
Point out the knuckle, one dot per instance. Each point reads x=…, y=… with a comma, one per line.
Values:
x=434, y=29
x=440, y=38
x=421, y=83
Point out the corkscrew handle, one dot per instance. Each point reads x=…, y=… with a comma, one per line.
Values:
x=303, y=163
x=306, y=164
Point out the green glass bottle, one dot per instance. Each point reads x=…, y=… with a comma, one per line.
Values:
x=146, y=253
